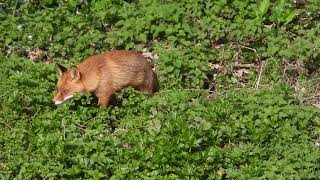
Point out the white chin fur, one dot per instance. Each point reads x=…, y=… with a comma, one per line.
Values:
x=65, y=99
x=58, y=102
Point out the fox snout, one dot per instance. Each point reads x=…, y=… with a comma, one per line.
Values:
x=68, y=84
x=57, y=100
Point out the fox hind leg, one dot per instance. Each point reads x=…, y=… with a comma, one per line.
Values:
x=150, y=84
x=145, y=89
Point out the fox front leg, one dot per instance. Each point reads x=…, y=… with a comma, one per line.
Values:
x=103, y=101
x=104, y=97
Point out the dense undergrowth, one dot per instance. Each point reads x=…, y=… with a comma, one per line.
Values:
x=174, y=134
x=188, y=35
x=259, y=60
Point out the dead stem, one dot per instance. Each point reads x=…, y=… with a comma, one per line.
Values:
x=260, y=73
x=6, y=124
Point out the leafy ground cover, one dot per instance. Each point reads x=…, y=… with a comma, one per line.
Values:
x=176, y=134
x=238, y=79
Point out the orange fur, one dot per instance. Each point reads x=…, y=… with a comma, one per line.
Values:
x=105, y=74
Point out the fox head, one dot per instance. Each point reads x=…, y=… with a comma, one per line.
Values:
x=68, y=84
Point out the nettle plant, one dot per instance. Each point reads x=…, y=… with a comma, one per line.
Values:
x=177, y=133
x=244, y=133
x=73, y=30
x=184, y=69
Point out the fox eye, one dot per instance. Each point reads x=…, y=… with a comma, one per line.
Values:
x=65, y=91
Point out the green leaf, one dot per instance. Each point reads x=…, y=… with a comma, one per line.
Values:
x=291, y=15
x=263, y=8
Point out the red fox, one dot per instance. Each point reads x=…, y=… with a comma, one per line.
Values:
x=106, y=74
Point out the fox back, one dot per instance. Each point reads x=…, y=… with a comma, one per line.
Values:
x=105, y=74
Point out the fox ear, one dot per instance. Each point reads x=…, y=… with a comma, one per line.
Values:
x=75, y=74
x=61, y=68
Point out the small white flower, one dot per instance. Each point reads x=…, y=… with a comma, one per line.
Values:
x=30, y=37
x=19, y=27
x=317, y=142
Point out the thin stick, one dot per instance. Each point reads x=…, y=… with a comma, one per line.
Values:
x=246, y=47
x=6, y=124
x=315, y=79
x=312, y=97
x=88, y=121
x=83, y=127
x=250, y=48
x=4, y=94
x=260, y=74
x=15, y=8
x=274, y=60
x=64, y=131
x=243, y=65
x=196, y=90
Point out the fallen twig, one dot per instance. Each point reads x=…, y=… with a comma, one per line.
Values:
x=260, y=74
x=64, y=131
x=238, y=65
x=246, y=47
x=6, y=124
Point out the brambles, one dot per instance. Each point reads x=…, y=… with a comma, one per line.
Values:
x=256, y=126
